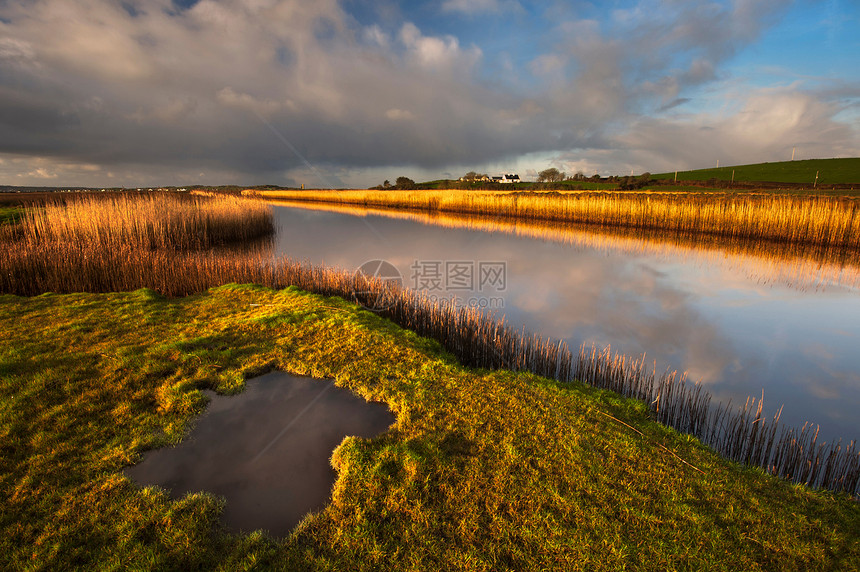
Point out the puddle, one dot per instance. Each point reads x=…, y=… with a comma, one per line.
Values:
x=265, y=450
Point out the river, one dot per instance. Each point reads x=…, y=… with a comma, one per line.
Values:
x=741, y=322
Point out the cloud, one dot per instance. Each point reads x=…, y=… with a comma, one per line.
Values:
x=263, y=89
x=473, y=7
x=766, y=125
x=441, y=54
x=399, y=114
x=188, y=89
x=231, y=98
x=14, y=51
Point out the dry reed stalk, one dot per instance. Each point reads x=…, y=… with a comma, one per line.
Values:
x=825, y=221
x=148, y=222
x=799, y=266
x=479, y=340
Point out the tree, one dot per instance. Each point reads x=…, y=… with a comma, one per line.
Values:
x=405, y=183
x=386, y=184
x=551, y=175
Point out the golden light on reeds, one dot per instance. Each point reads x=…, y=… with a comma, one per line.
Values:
x=814, y=220
x=149, y=222
x=799, y=266
x=99, y=255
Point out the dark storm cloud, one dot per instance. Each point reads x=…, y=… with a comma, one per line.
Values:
x=202, y=85
x=264, y=86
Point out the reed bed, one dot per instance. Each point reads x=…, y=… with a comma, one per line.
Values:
x=34, y=265
x=476, y=338
x=149, y=222
x=818, y=220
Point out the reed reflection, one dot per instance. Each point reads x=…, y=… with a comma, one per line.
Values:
x=736, y=317
x=800, y=266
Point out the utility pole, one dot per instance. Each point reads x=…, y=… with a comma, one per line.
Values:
x=718, y=163
x=815, y=184
x=733, y=176
x=676, y=176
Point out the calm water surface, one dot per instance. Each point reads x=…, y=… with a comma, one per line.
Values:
x=266, y=450
x=728, y=323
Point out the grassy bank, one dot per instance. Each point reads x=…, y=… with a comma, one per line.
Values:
x=36, y=264
x=785, y=219
x=483, y=470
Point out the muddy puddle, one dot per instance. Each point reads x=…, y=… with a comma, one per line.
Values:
x=266, y=451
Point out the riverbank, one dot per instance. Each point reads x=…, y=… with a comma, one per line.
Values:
x=39, y=262
x=485, y=470
x=826, y=222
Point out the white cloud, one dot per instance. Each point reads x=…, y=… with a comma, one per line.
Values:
x=375, y=36
x=441, y=54
x=41, y=173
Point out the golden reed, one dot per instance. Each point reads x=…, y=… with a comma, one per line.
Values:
x=816, y=220
x=152, y=221
x=797, y=266
x=34, y=264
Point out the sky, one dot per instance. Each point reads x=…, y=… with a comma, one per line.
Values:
x=348, y=93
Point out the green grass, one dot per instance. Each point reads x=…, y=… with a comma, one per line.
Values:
x=482, y=471
x=10, y=215
x=830, y=172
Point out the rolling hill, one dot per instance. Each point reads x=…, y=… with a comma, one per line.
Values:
x=830, y=172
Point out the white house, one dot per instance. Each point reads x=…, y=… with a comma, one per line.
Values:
x=509, y=178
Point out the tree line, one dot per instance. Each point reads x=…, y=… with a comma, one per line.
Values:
x=477, y=180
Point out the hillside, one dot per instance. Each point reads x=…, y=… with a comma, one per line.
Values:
x=830, y=172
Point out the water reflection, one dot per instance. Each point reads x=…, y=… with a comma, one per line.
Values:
x=265, y=450
x=740, y=321
x=797, y=266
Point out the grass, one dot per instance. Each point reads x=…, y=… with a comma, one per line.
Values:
x=36, y=266
x=830, y=172
x=88, y=382
x=9, y=215
x=482, y=471
x=784, y=219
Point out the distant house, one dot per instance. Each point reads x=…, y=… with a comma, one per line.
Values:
x=475, y=179
x=506, y=178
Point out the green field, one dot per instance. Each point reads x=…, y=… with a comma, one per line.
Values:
x=830, y=172
x=482, y=470
x=10, y=215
